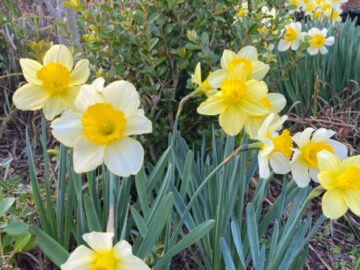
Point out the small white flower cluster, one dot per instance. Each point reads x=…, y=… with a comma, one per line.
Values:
x=317, y=38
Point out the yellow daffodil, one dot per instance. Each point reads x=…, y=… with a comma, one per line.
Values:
x=52, y=86
x=276, y=148
x=341, y=179
x=243, y=9
x=247, y=56
x=100, y=128
x=102, y=255
x=318, y=41
x=292, y=37
x=203, y=86
x=275, y=103
x=304, y=164
x=237, y=99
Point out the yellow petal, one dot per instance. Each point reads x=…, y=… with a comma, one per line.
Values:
x=252, y=125
x=327, y=179
x=328, y=161
x=256, y=89
x=259, y=70
x=232, y=120
x=30, y=68
x=87, y=155
x=350, y=161
x=68, y=128
x=213, y=105
x=80, y=74
x=124, y=157
x=123, y=96
x=99, y=241
x=333, y=204
x=79, y=259
x=226, y=58
x=70, y=94
x=252, y=107
x=137, y=123
x=277, y=102
x=54, y=106
x=217, y=78
x=30, y=97
x=248, y=52
x=59, y=54
x=352, y=198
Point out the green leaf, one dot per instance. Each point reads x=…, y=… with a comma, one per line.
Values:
x=5, y=204
x=21, y=241
x=15, y=228
x=187, y=241
x=50, y=247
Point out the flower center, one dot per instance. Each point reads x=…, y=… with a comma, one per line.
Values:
x=290, y=34
x=266, y=102
x=349, y=179
x=241, y=60
x=233, y=90
x=283, y=143
x=293, y=2
x=104, y=261
x=317, y=41
x=310, y=150
x=55, y=77
x=309, y=8
x=326, y=6
x=102, y=123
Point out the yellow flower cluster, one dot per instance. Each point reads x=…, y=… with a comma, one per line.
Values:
x=241, y=100
x=319, y=9
x=97, y=121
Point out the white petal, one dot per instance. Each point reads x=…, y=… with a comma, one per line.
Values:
x=87, y=155
x=314, y=174
x=339, y=149
x=99, y=241
x=324, y=32
x=87, y=96
x=302, y=138
x=99, y=84
x=264, y=170
x=128, y=261
x=217, y=77
x=283, y=45
x=329, y=41
x=312, y=51
x=137, y=123
x=124, y=157
x=323, y=50
x=279, y=163
x=268, y=147
x=67, y=128
x=263, y=130
x=123, y=96
x=300, y=173
x=295, y=45
x=30, y=68
x=59, y=54
x=30, y=97
x=54, y=106
x=322, y=134
x=81, y=73
x=79, y=259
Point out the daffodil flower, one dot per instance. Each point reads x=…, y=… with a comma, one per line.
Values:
x=204, y=86
x=341, y=179
x=243, y=9
x=276, y=149
x=100, y=127
x=237, y=99
x=318, y=41
x=247, y=56
x=292, y=37
x=102, y=255
x=304, y=164
x=275, y=102
x=53, y=85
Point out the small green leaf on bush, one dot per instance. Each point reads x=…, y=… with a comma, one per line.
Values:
x=5, y=204
x=21, y=241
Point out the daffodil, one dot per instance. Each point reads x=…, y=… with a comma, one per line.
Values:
x=337, y=3
x=100, y=127
x=247, y=56
x=243, y=9
x=333, y=14
x=341, y=179
x=318, y=41
x=102, y=255
x=304, y=164
x=53, y=85
x=203, y=86
x=292, y=37
x=275, y=102
x=237, y=99
x=276, y=148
